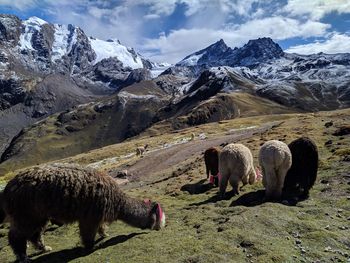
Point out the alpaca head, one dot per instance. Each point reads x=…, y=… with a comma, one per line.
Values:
x=156, y=214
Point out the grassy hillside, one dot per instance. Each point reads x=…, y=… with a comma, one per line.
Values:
x=200, y=228
x=94, y=125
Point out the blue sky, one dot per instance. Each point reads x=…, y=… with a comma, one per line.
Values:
x=168, y=30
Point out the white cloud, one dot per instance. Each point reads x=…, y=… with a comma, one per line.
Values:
x=18, y=4
x=317, y=9
x=337, y=43
x=176, y=45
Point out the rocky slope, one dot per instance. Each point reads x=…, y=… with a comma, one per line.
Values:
x=306, y=82
x=47, y=68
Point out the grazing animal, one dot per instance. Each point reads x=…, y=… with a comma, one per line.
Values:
x=211, y=159
x=275, y=159
x=140, y=150
x=192, y=136
x=235, y=165
x=303, y=172
x=69, y=193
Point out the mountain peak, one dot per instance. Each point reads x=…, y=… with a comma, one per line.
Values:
x=207, y=55
x=218, y=45
x=34, y=20
x=265, y=47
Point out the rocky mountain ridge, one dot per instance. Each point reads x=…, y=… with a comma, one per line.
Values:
x=46, y=68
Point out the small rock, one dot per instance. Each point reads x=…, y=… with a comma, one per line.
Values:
x=327, y=214
x=220, y=229
x=303, y=250
x=340, y=210
x=327, y=227
x=327, y=249
x=328, y=124
x=298, y=241
x=329, y=142
x=246, y=243
x=343, y=227
x=339, y=215
x=324, y=181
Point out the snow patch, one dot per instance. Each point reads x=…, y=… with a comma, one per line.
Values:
x=31, y=25
x=191, y=61
x=126, y=94
x=111, y=48
x=64, y=41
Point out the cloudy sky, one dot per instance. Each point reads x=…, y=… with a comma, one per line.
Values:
x=168, y=30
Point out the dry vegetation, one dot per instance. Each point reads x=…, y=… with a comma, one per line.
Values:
x=200, y=228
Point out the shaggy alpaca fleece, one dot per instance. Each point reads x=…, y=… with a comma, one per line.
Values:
x=275, y=159
x=303, y=172
x=235, y=165
x=211, y=159
x=69, y=193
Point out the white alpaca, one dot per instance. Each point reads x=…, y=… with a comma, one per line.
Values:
x=235, y=165
x=275, y=160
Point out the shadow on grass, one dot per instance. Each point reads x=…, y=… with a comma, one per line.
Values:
x=69, y=254
x=250, y=199
x=197, y=188
x=215, y=198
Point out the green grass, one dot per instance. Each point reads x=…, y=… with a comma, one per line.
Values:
x=200, y=229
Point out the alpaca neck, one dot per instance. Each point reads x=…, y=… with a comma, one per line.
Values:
x=134, y=212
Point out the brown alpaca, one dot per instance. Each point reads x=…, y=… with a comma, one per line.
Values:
x=211, y=159
x=140, y=150
x=70, y=193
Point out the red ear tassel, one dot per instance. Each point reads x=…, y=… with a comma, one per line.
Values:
x=258, y=174
x=159, y=212
x=211, y=179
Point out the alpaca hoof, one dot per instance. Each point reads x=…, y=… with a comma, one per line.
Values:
x=46, y=249
x=104, y=235
x=24, y=259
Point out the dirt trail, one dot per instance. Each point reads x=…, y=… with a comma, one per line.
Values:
x=163, y=159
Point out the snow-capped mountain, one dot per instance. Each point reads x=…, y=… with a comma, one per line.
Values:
x=308, y=82
x=49, y=48
x=219, y=54
x=46, y=68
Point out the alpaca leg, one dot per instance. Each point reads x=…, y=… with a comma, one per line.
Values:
x=263, y=171
x=88, y=232
x=18, y=243
x=223, y=184
x=234, y=183
x=38, y=242
x=102, y=230
x=281, y=174
x=252, y=176
x=270, y=182
x=244, y=180
x=207, y=170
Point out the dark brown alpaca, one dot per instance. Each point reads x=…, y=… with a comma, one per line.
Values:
x=69, y=193
x=211, y=159
x=303, y=172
